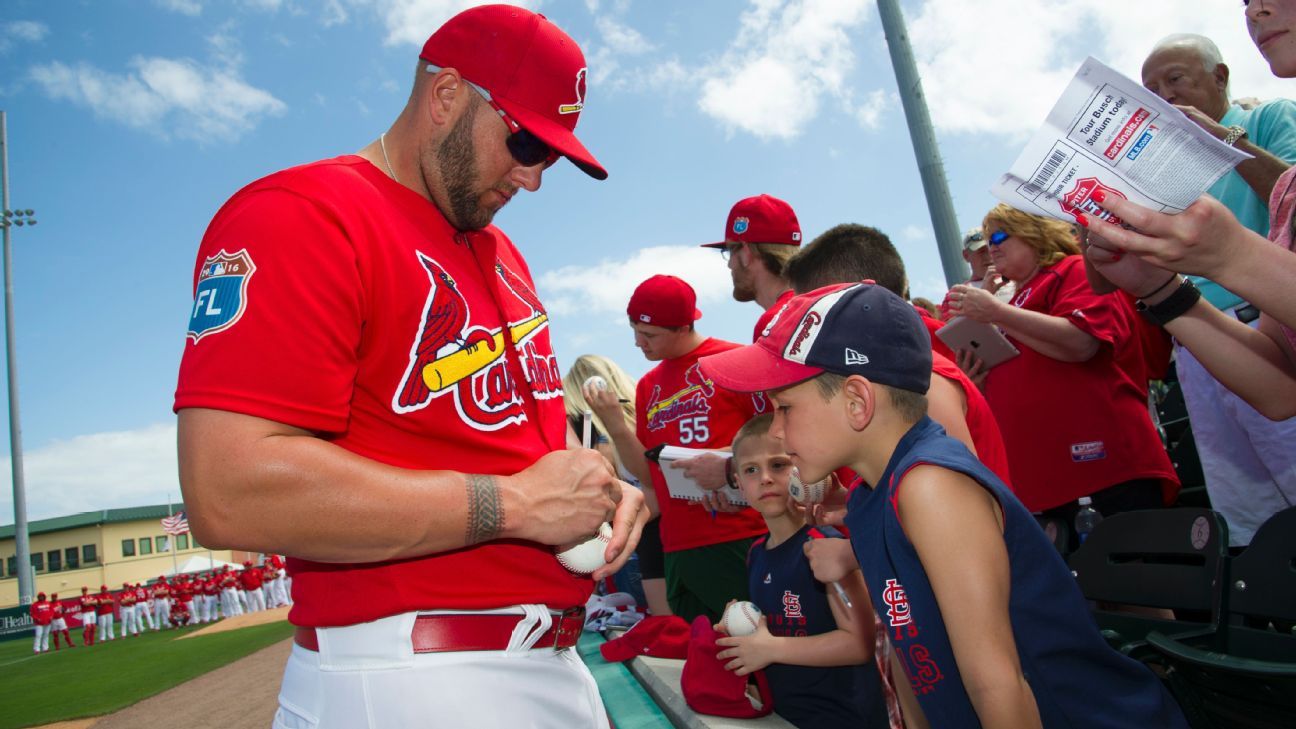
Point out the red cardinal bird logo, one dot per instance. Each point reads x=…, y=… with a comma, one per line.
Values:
x=519, y=288
x=444, y=316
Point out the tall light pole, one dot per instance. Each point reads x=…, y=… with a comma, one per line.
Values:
x=923, y=137
x=10, y=219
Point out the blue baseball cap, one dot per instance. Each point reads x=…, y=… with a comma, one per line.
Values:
x=847, y=329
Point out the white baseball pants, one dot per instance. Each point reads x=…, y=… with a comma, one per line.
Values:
x=105, y=631
x=40, y=643
x=368, y=675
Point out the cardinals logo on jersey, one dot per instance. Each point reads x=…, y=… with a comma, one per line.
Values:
x=692, y=400
x=451, y=355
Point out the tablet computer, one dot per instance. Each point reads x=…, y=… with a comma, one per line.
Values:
x=983, y=340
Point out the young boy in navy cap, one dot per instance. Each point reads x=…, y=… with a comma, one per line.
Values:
x=816, y=651
x=985, y=618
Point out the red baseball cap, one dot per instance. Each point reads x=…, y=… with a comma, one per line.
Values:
x=848, y=329
x=530, y=67
x=760, y=219
x=660, y=636
x=664, y=301
x=710, y=688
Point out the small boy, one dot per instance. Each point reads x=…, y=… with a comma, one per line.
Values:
x=817, y=653
x=985, y=618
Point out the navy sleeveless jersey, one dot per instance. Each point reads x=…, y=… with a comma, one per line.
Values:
x=1077, y=679
x=796, y=605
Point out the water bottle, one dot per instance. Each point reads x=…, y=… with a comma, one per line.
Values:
x=1086, y=519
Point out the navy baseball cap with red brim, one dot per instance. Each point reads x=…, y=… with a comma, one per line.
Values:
x=848, y=329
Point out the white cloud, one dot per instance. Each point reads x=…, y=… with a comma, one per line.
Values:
x=164, y=96
x=100, y=471
x=999, y=65
x=605, y=287
x=785, y=58
x=410, y=22
x=622, y=38
x=21, y=31
x=184, y=7
x=869, y=114
x=333, y=13
x=916, y=233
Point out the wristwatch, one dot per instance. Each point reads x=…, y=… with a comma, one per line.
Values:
x=1235, y=133
x=1172, y=307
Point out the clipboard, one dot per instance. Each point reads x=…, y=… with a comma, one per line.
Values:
x=681, y=486
x=983, y=340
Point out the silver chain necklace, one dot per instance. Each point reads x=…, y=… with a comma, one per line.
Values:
x=382, y=142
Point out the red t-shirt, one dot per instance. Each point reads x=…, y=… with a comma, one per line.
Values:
x=42, y=612
x=1150, y=358
x=58, y=609
x=250, y=578
x=105, y=605
x=1074, y=428
x=88, y=603
x=764, y=319
x=341, y=298
x=675, y=405
x=980, y=419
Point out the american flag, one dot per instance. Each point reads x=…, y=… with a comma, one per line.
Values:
x=177, y=523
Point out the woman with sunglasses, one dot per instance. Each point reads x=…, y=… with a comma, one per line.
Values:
x=1257, y=363
x=1074, y=419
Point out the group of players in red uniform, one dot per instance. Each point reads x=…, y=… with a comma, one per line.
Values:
x=185, y=599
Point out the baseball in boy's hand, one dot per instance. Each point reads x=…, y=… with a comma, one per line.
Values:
x=807, y=493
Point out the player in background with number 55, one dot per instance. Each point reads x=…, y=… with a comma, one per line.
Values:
x=705, y=543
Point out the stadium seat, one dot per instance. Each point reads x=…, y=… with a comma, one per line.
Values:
x=1160, y=558
x=1244, y=673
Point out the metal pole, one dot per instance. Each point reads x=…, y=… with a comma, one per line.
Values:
x=930, y=167
x=26, y=582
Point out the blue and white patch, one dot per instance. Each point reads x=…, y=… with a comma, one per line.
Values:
x=221, y=295
x=740, y=225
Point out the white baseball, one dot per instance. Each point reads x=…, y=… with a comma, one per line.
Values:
x=741, y=618
x=807, y=493
x=587, y=556
x=595, y=380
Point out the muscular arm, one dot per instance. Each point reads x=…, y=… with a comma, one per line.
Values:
x=241, y=475
x=969, y=572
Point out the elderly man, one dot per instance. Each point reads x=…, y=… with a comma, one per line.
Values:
x=367, y=355
x=1247, y=459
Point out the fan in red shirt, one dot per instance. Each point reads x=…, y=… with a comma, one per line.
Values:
x=1075, y=420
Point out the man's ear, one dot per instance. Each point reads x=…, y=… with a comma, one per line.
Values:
x=859, y=397
x=1221, y=76
x=443, y=90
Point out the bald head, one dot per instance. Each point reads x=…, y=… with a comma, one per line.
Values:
x=1186, y=69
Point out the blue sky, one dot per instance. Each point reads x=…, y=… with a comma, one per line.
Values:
x=131, y=122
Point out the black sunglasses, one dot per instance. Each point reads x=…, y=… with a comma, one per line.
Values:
x=527, y=149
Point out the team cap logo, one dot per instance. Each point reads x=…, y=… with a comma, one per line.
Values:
x=576, y=106
x=740, y=225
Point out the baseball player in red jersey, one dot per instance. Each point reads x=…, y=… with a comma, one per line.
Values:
x=143, y=609
x=88, y=603
x=161, y=603
x=705, y=543
x=59, y=624
x=761, y=234
x=229, y=594
x=128, y=605
x=42, y=614
x=424, y=459
x=280, y=585
x=250, y=580
x=104, y=608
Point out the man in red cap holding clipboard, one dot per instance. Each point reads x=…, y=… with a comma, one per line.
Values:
x=367, y=353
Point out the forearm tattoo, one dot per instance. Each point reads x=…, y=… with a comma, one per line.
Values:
x=485, y=509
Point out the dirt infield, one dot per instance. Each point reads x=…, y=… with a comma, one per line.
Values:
x=241, y=621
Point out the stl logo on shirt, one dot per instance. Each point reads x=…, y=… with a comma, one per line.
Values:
x=450, y=355
x=898, y=613
x=221, y=296
x=792, y=605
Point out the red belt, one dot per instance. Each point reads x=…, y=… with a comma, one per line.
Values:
x=441, y=633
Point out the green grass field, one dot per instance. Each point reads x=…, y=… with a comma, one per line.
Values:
x=99, y=680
